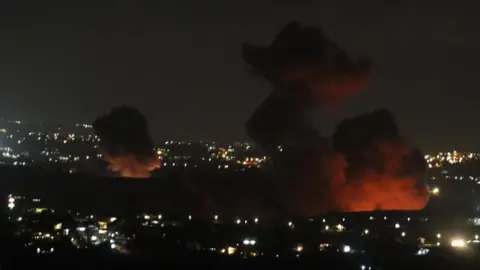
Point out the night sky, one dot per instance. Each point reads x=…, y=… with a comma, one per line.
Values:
x=179, y=62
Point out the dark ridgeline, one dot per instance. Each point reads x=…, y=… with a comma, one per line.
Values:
x=315, y=175
x=126, y=142
x=200, y=193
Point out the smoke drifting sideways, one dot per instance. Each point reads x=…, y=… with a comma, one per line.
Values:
x=126, y=142
x=364, y=166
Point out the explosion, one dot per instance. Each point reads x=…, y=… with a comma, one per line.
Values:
x=380, y=169
x=366, y=165
x=126, y=143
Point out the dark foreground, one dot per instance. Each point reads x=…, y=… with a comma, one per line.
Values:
x=89, y=260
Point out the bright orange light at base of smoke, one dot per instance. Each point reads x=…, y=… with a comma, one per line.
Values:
x=379, y=192
x=373, y=190
x=130, y=166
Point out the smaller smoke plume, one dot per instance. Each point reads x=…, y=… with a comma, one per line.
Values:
x=375, y=167
x=126, y=142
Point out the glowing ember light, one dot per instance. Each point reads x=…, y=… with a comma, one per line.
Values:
x=129, y=166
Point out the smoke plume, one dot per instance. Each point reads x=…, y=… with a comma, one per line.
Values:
x=303, y=58
x=126, y=142
x=366, y=164
x=378, y=169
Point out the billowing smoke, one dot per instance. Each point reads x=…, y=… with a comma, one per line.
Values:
x=126, y=142
x=378, y=168
x=303, y=59
x=366, y=165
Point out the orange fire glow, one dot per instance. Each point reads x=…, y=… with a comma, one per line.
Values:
x=131, y=167
x=373, y=190
x=326, y=88
x=381, y=192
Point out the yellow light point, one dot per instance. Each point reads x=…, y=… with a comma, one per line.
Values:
x=231, y=250
x=458, y=243
x=103, y=225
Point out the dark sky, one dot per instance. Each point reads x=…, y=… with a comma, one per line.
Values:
x=179, y=62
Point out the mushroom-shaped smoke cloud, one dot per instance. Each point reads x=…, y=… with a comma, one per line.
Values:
x=126, y=142
x=365, y=166
x=307, y=70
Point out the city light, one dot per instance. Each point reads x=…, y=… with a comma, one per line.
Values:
x=458, y=243
x=250, y=242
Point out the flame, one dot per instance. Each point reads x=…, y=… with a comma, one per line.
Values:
x=382, y=192
x=376, y=189
x=131, y=166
